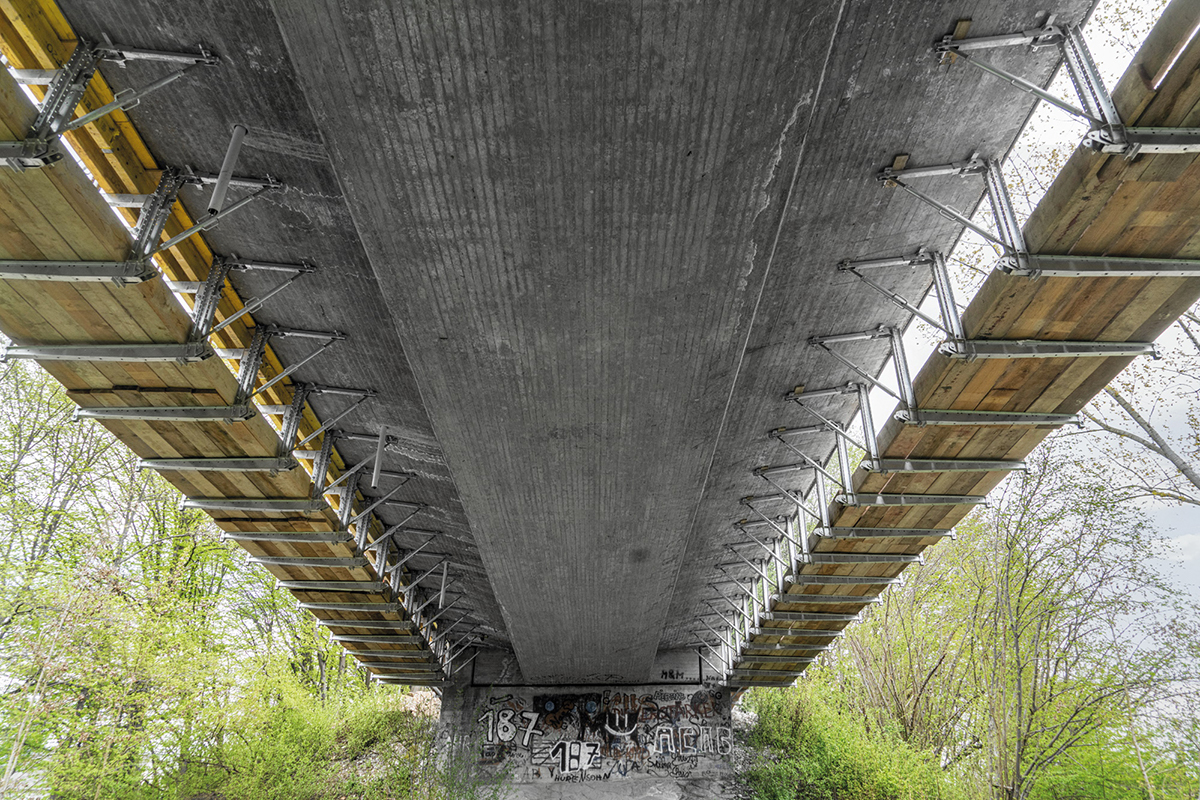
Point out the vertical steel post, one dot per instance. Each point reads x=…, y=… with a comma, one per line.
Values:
x=217, y=202
x=779, y=572
x=794, y=524
x=843, y=454
x=945, y=297
x=1007, y=225
x=822, y=508
x=864, y=404
x=379, y=456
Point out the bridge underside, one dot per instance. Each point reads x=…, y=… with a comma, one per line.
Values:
x=578, y=252
x=581, y=247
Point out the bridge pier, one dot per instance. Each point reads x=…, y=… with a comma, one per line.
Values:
x=670, y=738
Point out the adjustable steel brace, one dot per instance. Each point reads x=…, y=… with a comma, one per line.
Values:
x=138, y=267
x=773, y=590
x=156, y=209
x=295, y=413
x=1107, y=134
x=208, y=296
x=1016, y=258
x=67, y=88
x=247, y=375
x=909, y=412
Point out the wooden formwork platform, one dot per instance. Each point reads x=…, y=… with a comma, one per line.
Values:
x=1098, y=205
x=57, y=213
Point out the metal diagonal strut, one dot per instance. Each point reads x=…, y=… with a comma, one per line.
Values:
x=950, y=322
x=212, y=220
x=255, y=303
x=809, y=461
x=888, y=177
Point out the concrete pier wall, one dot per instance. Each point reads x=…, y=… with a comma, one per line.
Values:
x=670, y=738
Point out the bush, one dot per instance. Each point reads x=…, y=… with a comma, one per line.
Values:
x=811, y=747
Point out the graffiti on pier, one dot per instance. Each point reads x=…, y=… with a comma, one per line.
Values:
x=583, y=736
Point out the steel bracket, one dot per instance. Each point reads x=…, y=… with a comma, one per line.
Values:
x=902, y=465
x=186, y=353
x=859, y=500
x=1107, y=133
x=67, y=87
x=829, y=599
x=949, y=416
x=324, y=562
x=306, y=537
x=1069, y=266
x=861, y=558
x=843, y=580
x=813, y=633
x=369, y=587
x=267, y=505
x=972, y=349
x=885, y=533
x=169, y=413
x=272, y=465
x=121, y=273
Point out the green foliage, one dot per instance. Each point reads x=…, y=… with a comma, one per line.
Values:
x=143, y=659
x=823, y=751
x=1101, y=770
x=282, y=746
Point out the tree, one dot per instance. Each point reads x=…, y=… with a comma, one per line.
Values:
x=1146, y=425
x=1038, y=636
x=1065, y=569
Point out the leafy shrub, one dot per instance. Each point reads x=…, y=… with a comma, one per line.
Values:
x=813, y=748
